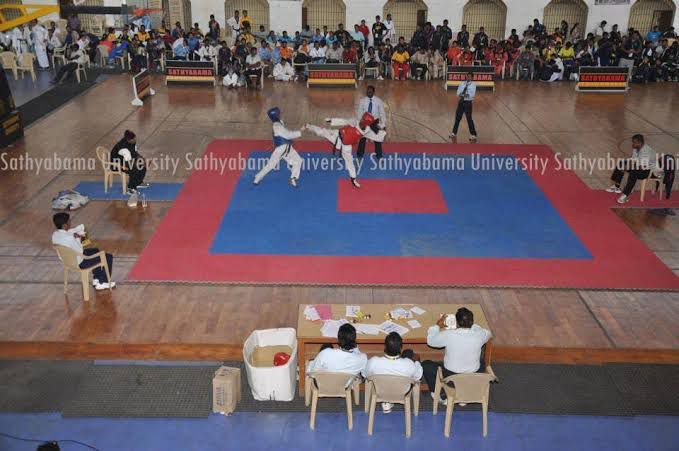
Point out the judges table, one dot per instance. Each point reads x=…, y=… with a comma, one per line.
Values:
x=310, y=338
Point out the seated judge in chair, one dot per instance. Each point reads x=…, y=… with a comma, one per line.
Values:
x=346, y=359
x=72, y=238
x=124, y=153
x=394, y=363
x=640, y=166
x=463, y=345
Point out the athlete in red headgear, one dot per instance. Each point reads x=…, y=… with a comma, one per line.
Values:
x=351, y=133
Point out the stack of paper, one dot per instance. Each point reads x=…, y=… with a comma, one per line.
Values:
x=400, y=313
x=311, y=314
x=414, y=324
x=388, y=327
x=416, y=310
x=331, y=327
x=367, y=329
x=324, y=311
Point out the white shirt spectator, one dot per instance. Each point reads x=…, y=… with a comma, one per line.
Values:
x=317, y=52
x=283, y=71
x=253, y=59
x=206, y=53
x=67, y=239
x=234, y=25
x=339, y=361
x=463, y=346
x=393, y=366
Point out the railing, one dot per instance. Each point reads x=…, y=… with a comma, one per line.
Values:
x=28, y=13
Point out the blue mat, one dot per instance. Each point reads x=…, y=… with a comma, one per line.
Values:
x=508, y=216
x=166, y=192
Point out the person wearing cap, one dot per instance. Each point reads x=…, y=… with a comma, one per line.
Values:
x=343, y=139
x=283, y=150
x=375, y=106
x=125, y=155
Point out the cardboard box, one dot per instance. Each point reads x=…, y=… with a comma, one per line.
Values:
x=225, y=390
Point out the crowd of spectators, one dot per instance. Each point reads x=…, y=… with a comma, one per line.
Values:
x=239, y=50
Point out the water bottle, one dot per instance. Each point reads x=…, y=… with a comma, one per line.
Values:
x=143, y=200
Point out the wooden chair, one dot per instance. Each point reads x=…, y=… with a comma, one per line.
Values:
x=110, y=170
x=324, y=384
x=469, y=388
x=59, y=53
x=9, y=62
x=260, y=84
x=656, y=185
x=395, y=390
x=436, y=70
x=374, y=71
x=26, y=64
x=69, y=258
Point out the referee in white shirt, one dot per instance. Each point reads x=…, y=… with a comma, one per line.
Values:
x=346, y=359
x=462, y=345
x=375, y=106
x=466, y=92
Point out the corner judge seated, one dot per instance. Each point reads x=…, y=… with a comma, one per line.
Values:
x=124, y=154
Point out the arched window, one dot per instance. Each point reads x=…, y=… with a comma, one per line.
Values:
x=317, y=13
x=572, y=11
x=490, y=14
x=258, y=11
x=406, y=15
x=645, y=14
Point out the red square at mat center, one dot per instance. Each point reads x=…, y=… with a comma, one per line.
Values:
x=391, y=196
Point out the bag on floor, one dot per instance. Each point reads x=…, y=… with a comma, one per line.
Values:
x=69, y=200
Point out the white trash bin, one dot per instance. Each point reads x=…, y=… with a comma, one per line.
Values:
x=268, y=382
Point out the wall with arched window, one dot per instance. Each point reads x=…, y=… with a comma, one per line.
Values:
x=645, y=14
x=490, y=14
x=572, y=11
x=406, y=15
x=317, y=13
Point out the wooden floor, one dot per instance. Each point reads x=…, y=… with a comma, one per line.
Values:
x=141, y=320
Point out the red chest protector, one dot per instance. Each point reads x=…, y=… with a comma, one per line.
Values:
x=350, y=135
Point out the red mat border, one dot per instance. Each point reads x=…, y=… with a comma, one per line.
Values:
x=178, y=251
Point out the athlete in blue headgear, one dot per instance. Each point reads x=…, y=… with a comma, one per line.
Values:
x=283, y=150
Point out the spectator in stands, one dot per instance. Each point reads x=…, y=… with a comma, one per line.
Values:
x=370, y=59
x=206, y=52
x=438, y=39
x=390, y=27
x=436, y=60
x=253, y=67
x=245, y=21
x=347, y=359
x=463, y=37
x=453, y=54
x=285, y=38
x=379, y=31
x=285, y=51
x=74, y=57
x=317, y=53
x=142, y=34
x=271, y=38
x=317, y=37
x=463, y=345
x=283, y=71
x=447, y=33
x=363, y=28
x=265, y=54
x=357, y=36
x=419, y=39
x=334, y=53
x=231, y=77
x=498, y=59
x=214, y=30
x=419, y=64
x=261, y=34
x=343, y=36
x=350, y=54
x=567, y=56
x=224, y=58
x=601, y=28
x=241, y=51
x=125, y=155
x=538, y=28
x=524, y=65
x=193, y=42
x=670, y=34
x=400, y=59
x=642, y=163
x=467, y=57
x=394, y=363
x=306, y=33
x=73, y=22
x=72, y=238
x=481, y=40
x=233, y=24
x=180, y=49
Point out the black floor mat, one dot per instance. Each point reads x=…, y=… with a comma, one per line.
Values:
x=143, y=391
x=39, y=385
x=49, y=101
x=85, y=389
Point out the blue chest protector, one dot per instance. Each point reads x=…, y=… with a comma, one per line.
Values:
x=280, y=141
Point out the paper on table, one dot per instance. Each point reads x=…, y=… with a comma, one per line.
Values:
x=416, y=310
x=310, y=313
x=331, y=327
x=388, y=327
x=414, y=324
x=400, y=312
x=324, y=311
x=352, y=311
x=367, y=329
